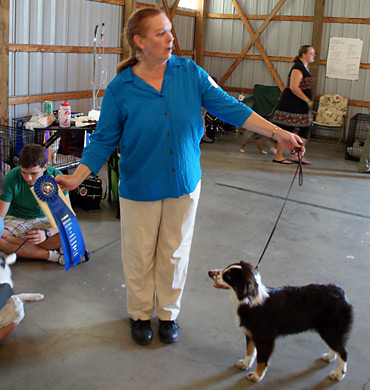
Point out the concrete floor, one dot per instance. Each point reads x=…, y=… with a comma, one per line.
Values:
x=79, y=336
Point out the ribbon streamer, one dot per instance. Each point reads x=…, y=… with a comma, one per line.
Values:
x=61, y=216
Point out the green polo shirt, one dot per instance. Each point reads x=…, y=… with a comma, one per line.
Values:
x=17, y=192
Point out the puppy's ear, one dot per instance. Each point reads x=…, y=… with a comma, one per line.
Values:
x=248, y=271
x=11, y=259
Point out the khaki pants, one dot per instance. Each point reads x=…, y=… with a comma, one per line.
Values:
x=156, y=241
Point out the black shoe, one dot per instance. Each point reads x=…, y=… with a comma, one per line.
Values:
x=168, y=331
x=141, y=331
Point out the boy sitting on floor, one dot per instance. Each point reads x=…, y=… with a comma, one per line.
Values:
x=23, y=217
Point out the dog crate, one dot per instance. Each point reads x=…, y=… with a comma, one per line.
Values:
x=63, y=145
x=358, y=128
x=12, y=141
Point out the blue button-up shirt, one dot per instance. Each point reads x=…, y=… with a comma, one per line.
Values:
x=159, y=132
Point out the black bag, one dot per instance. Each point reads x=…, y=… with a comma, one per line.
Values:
x=88, y=194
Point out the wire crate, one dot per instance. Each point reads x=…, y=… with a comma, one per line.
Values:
x=358, y=128
x=12, y=141
x=63, y=145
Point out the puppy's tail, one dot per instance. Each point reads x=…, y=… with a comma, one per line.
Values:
x=28, y=297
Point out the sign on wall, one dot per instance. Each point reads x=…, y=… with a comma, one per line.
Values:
x=344, y=58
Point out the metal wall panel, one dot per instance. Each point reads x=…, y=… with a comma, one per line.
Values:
x=72, y=22
x=283, y=38
x=65, y=23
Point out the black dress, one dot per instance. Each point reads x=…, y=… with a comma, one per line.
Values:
x=293, y=112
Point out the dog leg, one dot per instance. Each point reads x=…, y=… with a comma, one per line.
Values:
x=245, y=144
x=264, y=351
x=245, y=363
x=28, y=297
x=260, y=372
x=329, y=357
x=260, y=146
x=340, y=372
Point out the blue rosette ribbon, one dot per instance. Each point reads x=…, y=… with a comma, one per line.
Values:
x=46, y=189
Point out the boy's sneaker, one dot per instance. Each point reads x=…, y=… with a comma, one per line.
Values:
x=61, y=257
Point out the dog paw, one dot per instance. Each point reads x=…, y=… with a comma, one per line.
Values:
x=241, y=150
x=39, y=297
x=337, y=375
x=254, y=377
x=244, y=364
x=263, y=152
x=329, y=357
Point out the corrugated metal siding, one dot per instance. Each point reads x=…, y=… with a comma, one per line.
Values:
x=72, y=22
x=280, y=38
x=358, y=89
x=65, y=23
x=283, y=38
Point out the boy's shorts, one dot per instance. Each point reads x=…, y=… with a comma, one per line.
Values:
x=20, y=227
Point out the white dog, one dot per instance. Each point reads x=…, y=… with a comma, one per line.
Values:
x=11, y=305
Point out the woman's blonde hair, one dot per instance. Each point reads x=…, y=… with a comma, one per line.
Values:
x=302, y=50
x=136, y=25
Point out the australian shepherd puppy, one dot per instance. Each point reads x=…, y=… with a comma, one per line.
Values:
x=265, y=313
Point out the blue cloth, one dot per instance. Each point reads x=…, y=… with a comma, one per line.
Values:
x=159, y=132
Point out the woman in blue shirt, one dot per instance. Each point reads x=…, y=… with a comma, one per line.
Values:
x=152, y=111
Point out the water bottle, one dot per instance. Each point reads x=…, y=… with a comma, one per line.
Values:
x=64, y=115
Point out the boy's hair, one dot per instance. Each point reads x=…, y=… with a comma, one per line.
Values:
x=32, y=155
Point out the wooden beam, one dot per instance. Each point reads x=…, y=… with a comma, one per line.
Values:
x=4, y=62
x=175, y=41
x=116, y=2
x=316, y=42
x=174, y=9
x=252, y=41
x=60, y=49
x=130, y=8
x=258, y=45
x=53, y=97
x=291, y=18
x=200, y=24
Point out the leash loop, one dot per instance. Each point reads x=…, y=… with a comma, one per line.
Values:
x=299, y=170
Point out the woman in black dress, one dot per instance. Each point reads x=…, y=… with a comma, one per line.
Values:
x=293, y=111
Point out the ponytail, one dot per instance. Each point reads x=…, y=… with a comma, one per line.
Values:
x=302, y=50
x=136, y=25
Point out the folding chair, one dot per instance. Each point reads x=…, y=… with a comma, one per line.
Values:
x=330, y=117
x=265, y=98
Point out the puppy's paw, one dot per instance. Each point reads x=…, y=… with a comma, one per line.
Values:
x=30, y=297
x=329, y=357
x=337, y=375
x=38, y=297
x=254, y=377
x=244, y=364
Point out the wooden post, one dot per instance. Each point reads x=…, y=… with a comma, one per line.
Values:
x=130, y=8
x=318, y=21
x=4, y=62
x=199, y=31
